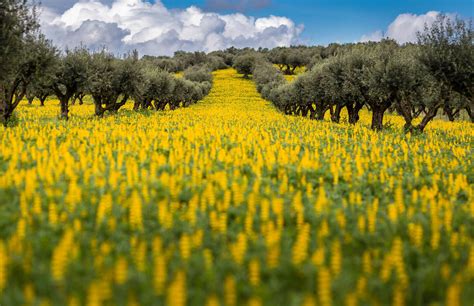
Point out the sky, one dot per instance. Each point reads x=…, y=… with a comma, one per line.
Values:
x=161, y=27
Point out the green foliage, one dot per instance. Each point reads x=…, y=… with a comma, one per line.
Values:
x=245, y=63
x=198, y=74
x=24, y=54
x=289, y=59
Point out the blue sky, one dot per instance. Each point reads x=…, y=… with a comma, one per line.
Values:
x=205, y=25
x=328, y=21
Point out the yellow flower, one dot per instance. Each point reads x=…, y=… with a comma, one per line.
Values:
x=177, y=291
x=324, y=287
x=61, y=256
x=121, y=271
x=254, y=272
x=136, y=218
x=230, y=294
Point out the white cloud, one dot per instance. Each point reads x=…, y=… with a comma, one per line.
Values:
x=404, y=28
x=154, y=29
x=374, y=36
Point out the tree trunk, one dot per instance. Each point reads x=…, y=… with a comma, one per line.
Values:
x=163, y=105
x=470, y=112
x=99, y=110
x=64, y=102
x=377, y=118
x=427, y=119
x=336, y=114
x=321, y=112
x=449, y=112
x=312, y=112
x=119, y=105
x=353, y=111
x=304, y=111
x=5, y=113
x=30, y=100
x=8, y=103
x=406, y=111
x=136, y=105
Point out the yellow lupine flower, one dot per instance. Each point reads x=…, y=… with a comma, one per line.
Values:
x=309, y=300
x=324, y=287
x=416, y=234
x=255, y=301
x=398, y=296
x=136, y=218
x=336, y=258
x=121, y=271
x=212, y=301
x=254, y=272
x=105, y=206
x=230, y=294
x=177, y=291
x=239, y=248
x=322, y=201
x=160, y=274
x=300, y=248
x=53, y=214
x=61, y=255
x=185, y=246
x=29, y=293
x=453, y=295
x=351, y=300
x=94, y=296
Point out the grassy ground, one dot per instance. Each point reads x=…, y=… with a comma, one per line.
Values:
x=229, y=202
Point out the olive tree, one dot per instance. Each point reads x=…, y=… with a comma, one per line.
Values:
x=23, y=54
x=447, y=52
x=161, y=88
x=381, y=79
x=354, y=90
x=40, y=86
x=71, y=77
x=417, y=92
x=112, y=81
x=266, y=77
x=198, y=74
x=245, y=64
x=288, y=59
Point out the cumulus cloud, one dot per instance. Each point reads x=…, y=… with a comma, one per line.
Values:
x=62, y=5
x=153, y=29
x=237, y=5
x=404, y=28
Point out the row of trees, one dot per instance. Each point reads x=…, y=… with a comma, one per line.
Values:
x=287, y=59
x=108, y=80
x=183, y=60
x=31, y=67
x=111, y=82
x=414, y=80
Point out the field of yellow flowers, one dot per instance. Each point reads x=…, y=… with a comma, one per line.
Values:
x=229, y=202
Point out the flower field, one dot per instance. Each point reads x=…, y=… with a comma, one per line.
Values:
x=229, y=202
